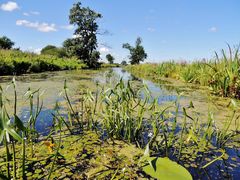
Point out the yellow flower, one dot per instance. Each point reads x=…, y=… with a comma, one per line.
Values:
x=49, y=145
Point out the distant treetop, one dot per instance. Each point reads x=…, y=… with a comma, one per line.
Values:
x=137, y=53
x=6, y=43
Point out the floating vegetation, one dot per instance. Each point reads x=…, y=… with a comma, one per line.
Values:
x=104, y=135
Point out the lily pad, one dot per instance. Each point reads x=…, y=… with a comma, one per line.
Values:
x=165, y=169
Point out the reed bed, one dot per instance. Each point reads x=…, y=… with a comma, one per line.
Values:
x=220, y=74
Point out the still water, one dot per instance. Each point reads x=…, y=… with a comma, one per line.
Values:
x=50, y=85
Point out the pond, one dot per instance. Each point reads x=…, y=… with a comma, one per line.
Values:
x=166, y=92
x=51, y=85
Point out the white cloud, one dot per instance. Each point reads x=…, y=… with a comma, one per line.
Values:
x=9, y=6
x=213, y=29
x=104, y=50
x=68, y=27
x=76, y=36
x=43, y=27
x=26, y=14
x=31, y=13
x=151, y=29
x=36, y=51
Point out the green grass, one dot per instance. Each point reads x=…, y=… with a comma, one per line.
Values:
x=221, y=74
x=17, y=62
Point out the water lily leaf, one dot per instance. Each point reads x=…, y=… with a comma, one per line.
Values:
x=165, y=169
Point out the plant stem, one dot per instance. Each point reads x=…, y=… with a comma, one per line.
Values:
x=7, y=157
x=23, y=156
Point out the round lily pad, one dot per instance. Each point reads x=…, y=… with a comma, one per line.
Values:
x=165, y=169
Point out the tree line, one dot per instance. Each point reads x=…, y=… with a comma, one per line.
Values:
x=83, y=44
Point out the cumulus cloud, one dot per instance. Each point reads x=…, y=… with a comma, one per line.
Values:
x=68, y=27
x=43, y=27
x=150, y=29
x=9, y=6
x=213, y=29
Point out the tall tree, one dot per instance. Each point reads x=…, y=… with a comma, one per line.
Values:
x=84, y=43
x=137, y=53
x=6, y=43
x=110, y=58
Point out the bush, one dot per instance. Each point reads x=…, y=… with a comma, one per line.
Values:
x=17, y=62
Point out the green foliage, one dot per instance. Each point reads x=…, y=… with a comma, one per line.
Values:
x=21, y=62
x=6, y=43
x=165, y=169
x=220, y=74
x=124, y=63
x=107, y=65
x=137, y=53
x=5, y=127
x=121, y=115
x=54, y=51
x=110, y=58
x=84, y=44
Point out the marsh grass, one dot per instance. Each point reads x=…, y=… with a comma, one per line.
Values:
x=221, y=74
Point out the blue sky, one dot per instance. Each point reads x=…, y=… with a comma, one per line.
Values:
x=170, y=29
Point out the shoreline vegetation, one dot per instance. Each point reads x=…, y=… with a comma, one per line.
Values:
x=16, y=62
x=221, y=75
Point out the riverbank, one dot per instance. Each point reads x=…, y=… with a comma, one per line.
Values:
x=220, y=75
x=14, y=62
x=18, y=62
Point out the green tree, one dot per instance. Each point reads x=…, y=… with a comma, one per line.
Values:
x=110, y=58
x=6, y=43
x=124, y=63
x=54, y=51
x=137, y=53
x=84, y=43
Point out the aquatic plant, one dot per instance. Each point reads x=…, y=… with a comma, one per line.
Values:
x=221, y=74
x=172, y=135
